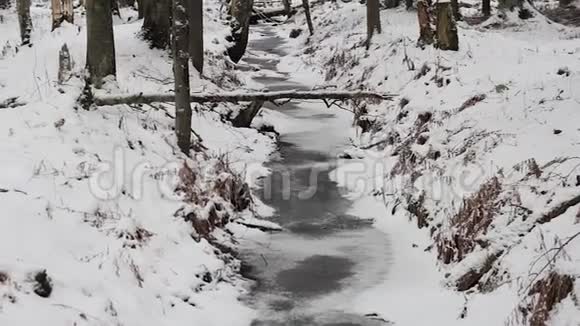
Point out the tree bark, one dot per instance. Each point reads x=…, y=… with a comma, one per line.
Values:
x=115, y=8
x=245, y=117
x=306, y=6
x=24, y=20
x=373, y=20
x=157, y=22
x=241, y=11
x=236, y=97
x=424, y=15
x=287, y=7
x=455, y=8
x=140, y=5
x=62, y=10
x=447, y=38
x=181, y=74
x=100, y=41
x=486, y=8
x=196, y=34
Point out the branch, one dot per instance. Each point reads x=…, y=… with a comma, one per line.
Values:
x=235, y=97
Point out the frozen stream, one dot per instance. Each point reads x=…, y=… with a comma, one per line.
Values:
x=308, y=274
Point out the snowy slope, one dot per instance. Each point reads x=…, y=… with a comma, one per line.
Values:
x=479, y=150
x=90, y=196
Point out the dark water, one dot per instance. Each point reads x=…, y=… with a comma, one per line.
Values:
x=309, y=273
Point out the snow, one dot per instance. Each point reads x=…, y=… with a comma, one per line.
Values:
x=89, y=196
x=529, y=71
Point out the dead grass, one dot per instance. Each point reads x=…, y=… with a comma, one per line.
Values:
x=547, y=292
x=226, y=194
x=472, y=221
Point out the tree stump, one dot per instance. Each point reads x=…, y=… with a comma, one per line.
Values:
x=64, y=65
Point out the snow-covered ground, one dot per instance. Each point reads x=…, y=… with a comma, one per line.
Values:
x=97, y=206
x=479, y=150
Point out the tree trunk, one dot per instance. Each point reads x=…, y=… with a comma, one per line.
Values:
x=446, y=28
x=115, y=8
x=373, y=20
x=157, y=22
x=455, y=8
x=140, y=5
x=287, y=7
x=100, y=41
x=24, y=20
x=235, y=97
x=425, y=29
x=196, y=34
x=181, y=74
x=306, y=6
x=247, y=115
x=486, y=8
x=62, y=10
x=241, y=10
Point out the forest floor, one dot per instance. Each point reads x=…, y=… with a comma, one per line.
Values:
x=98, y=205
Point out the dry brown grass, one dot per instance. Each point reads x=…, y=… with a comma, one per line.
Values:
x=226, y=194
x=472, y=221
x=547, y=292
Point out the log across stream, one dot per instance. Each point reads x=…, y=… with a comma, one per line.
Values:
x=309, y=273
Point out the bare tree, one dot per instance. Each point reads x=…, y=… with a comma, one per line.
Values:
x=447, y=38
x=181, y=74
x=424, y=15
x=306, y=6
x=373, y=20
x=100, y=41
x=157, y=22
x=24, y=20
x=241, y=11
x=62, y=10
x=196, y=34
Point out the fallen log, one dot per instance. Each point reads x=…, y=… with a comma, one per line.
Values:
x=236, y=97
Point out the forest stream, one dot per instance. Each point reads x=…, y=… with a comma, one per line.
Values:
x=309, y=273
